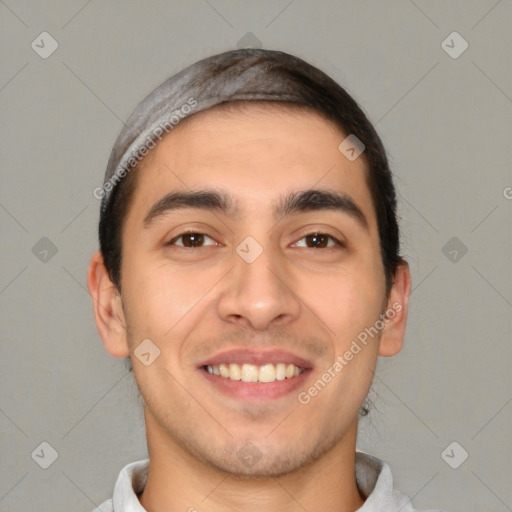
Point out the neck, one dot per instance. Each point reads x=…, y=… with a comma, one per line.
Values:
x=178, y=481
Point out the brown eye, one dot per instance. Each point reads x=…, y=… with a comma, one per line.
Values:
x=190, y=240
x=193, y=239
x=318, y=241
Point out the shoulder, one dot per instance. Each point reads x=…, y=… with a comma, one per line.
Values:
x=129, y=484
x=375, y=483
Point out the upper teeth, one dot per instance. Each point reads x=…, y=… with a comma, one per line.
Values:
x=253, y=373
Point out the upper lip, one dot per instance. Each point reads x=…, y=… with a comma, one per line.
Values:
x=257, y=357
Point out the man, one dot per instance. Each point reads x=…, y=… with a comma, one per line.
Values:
x=249, y=268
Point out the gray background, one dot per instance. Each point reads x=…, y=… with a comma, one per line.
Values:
x=446, y=123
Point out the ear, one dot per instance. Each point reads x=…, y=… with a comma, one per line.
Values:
x=107, y=307
x=393, y=333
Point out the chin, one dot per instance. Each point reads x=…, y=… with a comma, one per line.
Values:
x=264, y=460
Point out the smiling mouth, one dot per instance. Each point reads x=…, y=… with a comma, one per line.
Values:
x=264, y=373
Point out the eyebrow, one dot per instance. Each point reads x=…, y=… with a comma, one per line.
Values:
x=295, y=202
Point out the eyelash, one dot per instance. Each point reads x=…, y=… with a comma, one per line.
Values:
x=318, y=233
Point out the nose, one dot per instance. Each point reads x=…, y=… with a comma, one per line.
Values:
x=259, y=294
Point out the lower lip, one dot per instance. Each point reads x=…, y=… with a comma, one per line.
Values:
x=256, y=391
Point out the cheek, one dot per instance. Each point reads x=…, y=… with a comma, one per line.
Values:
x=348, y=300
x=161, y=300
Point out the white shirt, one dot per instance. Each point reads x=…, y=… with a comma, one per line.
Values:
x=373, y=478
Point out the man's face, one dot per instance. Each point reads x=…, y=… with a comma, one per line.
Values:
x=252, y=286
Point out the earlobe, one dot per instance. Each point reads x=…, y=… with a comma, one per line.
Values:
x=107, y=308
x=393, y=334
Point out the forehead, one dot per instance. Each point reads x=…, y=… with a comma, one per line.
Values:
x=225, y=127
x=256, y=150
